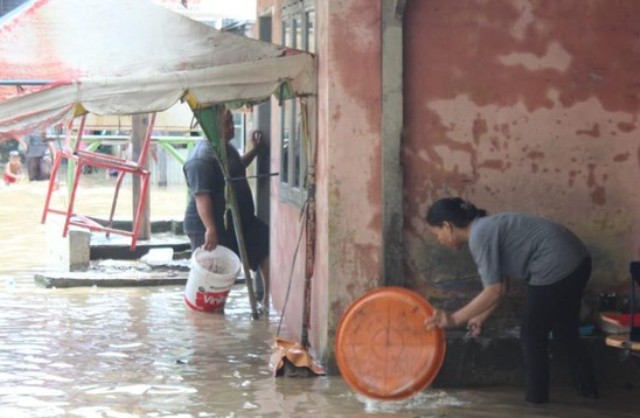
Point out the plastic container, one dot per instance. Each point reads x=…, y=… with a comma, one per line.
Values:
x=158, y=256
x=210, y=278
x=382, y=348
x=617, y=323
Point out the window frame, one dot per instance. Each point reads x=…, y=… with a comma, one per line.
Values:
x=292, y=186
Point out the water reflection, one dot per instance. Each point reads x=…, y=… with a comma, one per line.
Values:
x=139, y=352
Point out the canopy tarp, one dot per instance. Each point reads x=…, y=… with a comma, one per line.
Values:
x=132, y=56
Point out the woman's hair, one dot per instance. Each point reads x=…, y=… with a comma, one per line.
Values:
x=454, y=210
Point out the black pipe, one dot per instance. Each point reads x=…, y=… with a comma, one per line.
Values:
x=254, y=177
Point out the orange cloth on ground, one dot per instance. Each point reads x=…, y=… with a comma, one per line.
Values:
x=295, y=353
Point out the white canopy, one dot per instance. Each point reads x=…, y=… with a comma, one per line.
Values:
x=131, y=56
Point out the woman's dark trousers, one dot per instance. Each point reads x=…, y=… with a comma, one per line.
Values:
x=556, y=308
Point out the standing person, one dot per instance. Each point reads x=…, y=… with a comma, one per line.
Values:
x=39, y=154
x=13, y=169
x=204, y=221
x=550, y=258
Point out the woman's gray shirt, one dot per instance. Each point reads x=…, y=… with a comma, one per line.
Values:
x=516, y=245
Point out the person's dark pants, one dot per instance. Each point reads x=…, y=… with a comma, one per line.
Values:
x=196, y=241
x=39, y=168
x=556, y=308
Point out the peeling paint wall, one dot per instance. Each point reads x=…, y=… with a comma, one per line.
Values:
x=349, y=160
x=523, y=105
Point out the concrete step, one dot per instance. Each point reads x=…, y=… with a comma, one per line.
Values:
x=119, y=247
x=496, y=360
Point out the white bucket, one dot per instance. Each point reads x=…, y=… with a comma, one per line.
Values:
x=211, y=276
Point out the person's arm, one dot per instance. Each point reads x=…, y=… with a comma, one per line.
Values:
x=52, y=149
x=475, y=324
x=485, y=301
x=485, y=249
x=204, y=206
x=24, y=143
x=257, y=141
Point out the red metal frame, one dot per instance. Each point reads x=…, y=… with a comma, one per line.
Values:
x=65, y=152
x=123, y=166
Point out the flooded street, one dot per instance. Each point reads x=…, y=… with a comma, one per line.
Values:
x=139, y=352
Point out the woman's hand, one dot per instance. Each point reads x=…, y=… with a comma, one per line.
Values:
x=440, y=319
x=474, y=326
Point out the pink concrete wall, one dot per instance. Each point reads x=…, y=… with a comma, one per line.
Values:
x=348, y=237
x=525, y=105
x=349, y=161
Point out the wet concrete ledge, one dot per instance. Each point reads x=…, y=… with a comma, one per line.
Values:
x=119, y=248
x=122, y=273
x=497, y=361
x=164, y=234
x=114, y=264
x=122, y=279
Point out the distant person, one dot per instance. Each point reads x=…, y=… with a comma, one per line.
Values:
x=204, y=221
x=13, y=170
x=39, y=155
x=554, y=263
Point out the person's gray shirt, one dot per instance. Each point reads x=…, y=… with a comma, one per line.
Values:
x=522, y=246
x=37, y=147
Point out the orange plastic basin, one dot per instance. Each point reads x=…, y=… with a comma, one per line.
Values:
x=382, y=347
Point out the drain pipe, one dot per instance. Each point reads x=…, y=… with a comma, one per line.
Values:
x=310, y=222
x=392, y=117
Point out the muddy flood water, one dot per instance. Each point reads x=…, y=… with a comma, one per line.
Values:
x=139, y=352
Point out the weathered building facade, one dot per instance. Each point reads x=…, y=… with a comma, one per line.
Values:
x=521, y=105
